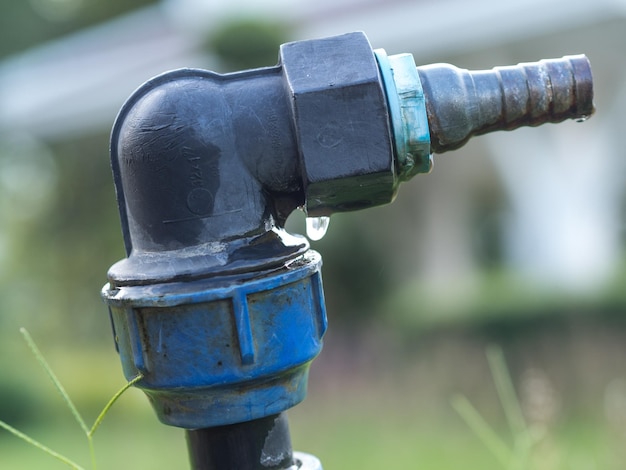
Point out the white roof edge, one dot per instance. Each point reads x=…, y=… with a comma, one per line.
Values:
x=81, y=80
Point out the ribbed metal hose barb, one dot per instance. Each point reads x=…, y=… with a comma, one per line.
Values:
x=462, y=103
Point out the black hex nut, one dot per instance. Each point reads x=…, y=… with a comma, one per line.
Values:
x=341, y=122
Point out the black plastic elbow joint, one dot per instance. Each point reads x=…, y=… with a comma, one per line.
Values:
x=201, y=157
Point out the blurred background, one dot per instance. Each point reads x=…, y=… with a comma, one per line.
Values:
x=516, y=240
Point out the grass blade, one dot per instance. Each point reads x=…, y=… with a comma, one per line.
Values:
x=511, y=405
x=111, y=402
x=483, y=431
x=40, y=446
x=54, y=379
x=506, y=391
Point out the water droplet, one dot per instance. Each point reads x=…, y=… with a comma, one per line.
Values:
x=316, y=227
x=582, y=118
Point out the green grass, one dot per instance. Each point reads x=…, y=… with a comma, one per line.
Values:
x=341, y=435
x=393, y=414
x=345, y=436
x=88, y=431
x=136, y=442
x=366, y=442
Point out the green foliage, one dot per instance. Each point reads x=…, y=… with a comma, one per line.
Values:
x=25, y=24
x=18, y=404
x=63, y=250
x=248, y=43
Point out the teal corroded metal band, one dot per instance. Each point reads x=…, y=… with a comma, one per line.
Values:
x=407, y=107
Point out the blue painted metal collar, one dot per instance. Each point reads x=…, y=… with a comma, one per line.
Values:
x=215, y=352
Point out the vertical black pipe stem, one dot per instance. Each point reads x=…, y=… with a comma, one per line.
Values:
x=262, y=444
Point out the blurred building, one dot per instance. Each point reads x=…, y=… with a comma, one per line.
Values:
x=545, y=202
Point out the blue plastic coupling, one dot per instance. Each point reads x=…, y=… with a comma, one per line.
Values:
x=407, y=107
x=222, y=351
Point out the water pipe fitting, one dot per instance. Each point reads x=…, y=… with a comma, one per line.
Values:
x=216, y=306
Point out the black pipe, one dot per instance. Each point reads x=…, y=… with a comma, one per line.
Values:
x=262, y=444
